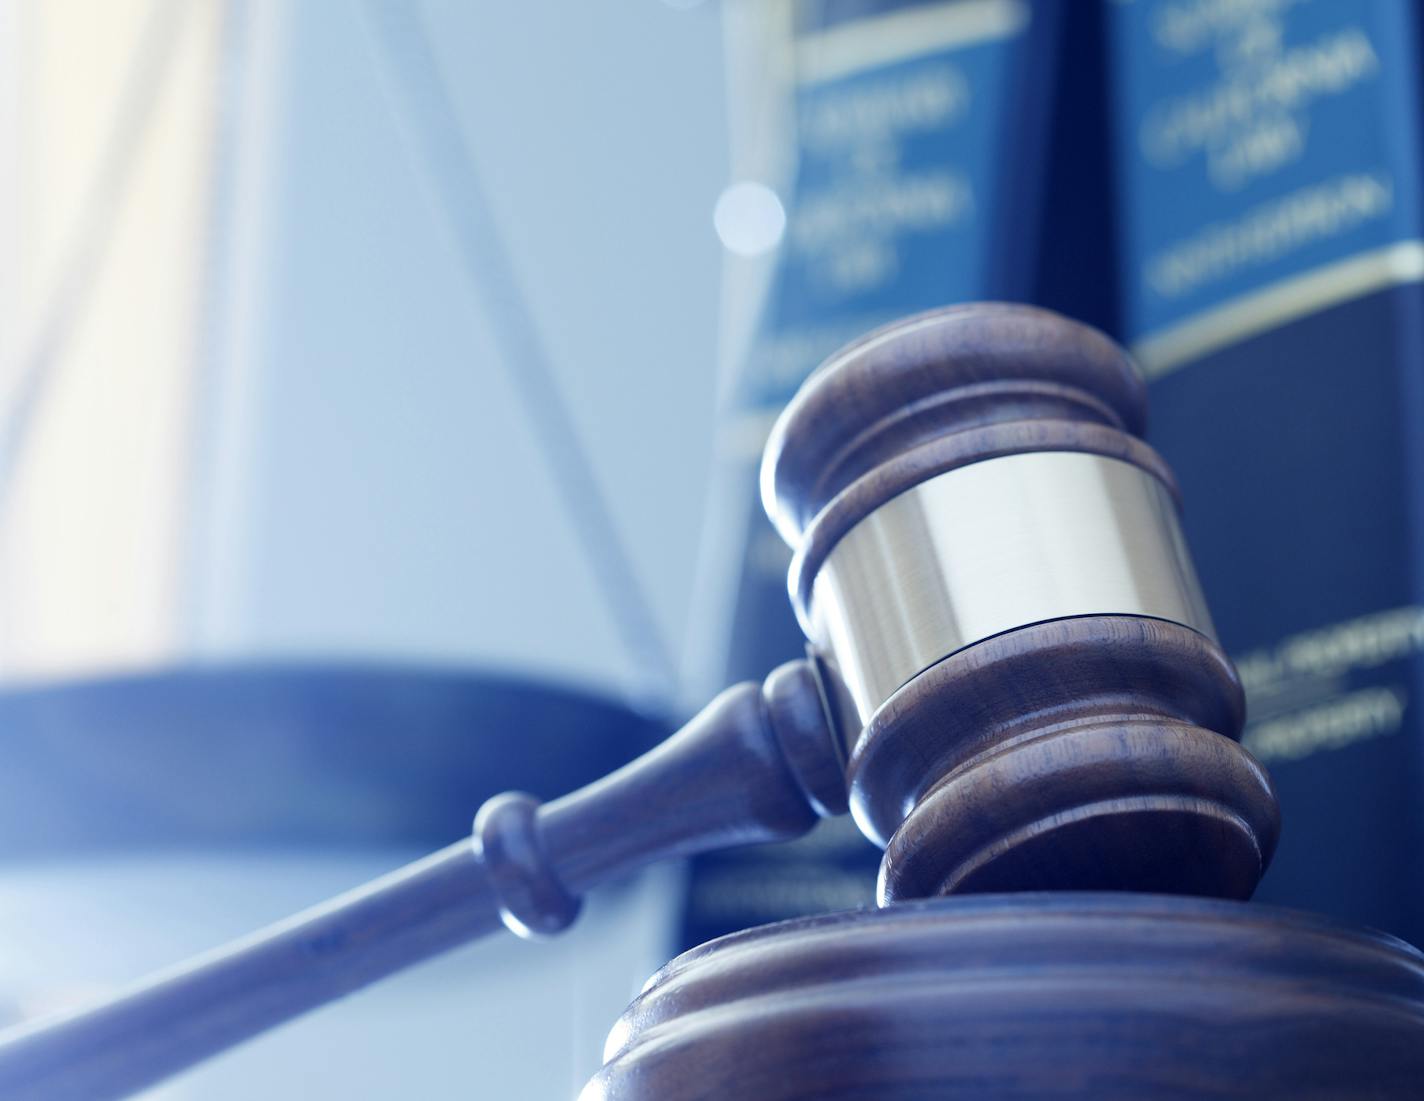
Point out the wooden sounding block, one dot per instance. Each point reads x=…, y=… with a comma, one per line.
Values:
x=1109, y=997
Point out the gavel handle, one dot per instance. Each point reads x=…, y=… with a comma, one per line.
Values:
x=759, y=763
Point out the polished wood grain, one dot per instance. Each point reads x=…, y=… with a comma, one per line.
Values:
x=759, y=763
x=1113, y=997
x=934, y=375
x=1084, y=754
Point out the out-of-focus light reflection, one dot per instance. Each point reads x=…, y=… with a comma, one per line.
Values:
x=749, y=218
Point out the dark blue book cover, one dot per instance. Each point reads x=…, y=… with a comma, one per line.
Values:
x=919, y=134
x=1268, y=181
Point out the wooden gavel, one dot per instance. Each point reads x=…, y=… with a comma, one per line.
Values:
x=1014, y=685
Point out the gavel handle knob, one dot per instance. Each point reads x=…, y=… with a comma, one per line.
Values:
x=510, y=846
x=759, y=763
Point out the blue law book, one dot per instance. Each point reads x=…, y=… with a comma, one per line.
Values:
x=919, y=134
x=1268, y=173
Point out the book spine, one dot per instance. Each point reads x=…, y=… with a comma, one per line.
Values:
x=1268, y=180
x=917, y=130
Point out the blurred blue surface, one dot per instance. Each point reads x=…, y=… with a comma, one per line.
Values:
x=385, y=612
x=390, y=496
x=325, y=756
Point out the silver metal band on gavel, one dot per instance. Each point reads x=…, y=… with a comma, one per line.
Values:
x=993, y=546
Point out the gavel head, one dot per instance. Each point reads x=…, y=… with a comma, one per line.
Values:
x=988, y=560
